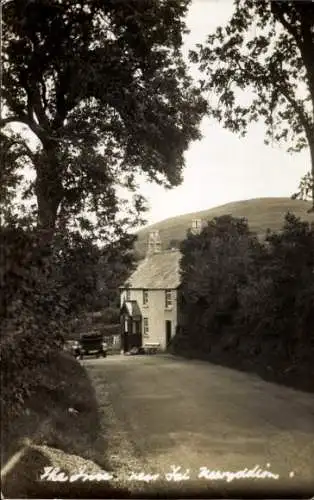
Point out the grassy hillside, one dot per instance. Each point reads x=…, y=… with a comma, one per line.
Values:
x=262, y=213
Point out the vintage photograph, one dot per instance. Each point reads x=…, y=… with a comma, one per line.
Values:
x=157, y=249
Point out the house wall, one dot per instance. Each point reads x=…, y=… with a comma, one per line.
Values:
x=156, y=313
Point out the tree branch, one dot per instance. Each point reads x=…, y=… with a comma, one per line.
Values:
x=298, y=109
x=37, y=129
x=305, y=46
x=10, y=119
x=44, y=94
x=308, y=54
x=281, y=88
x=34, y=95
x=279, y=16
x=25, y=149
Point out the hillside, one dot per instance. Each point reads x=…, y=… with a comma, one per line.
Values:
x=262, y=213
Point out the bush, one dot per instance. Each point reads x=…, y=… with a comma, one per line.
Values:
x=256, y=297
x=32, y=316
x=214, y=265
x=110, y=316
x=21, y=358
x=110, y=330
x=278, y=298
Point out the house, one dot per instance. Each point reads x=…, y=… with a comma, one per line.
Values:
x=150, y=299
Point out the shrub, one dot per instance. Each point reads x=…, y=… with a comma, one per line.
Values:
x=257, y=297
x=213, y=266
x=110, y=316
x=278, y=298
x=32, y=314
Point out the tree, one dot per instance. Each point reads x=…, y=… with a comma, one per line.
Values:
x=278, y=299
x=266, y=49
x=213, y=267
x=89, y=276
x=76, y=261
x=103, y=89
x=252, y=298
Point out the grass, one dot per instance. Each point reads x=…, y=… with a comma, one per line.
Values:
x=47, y=422
x=262, y=214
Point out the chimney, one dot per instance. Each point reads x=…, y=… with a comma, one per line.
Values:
x=154, y=243
x=196, y=226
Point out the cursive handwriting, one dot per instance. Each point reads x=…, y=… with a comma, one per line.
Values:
x=143, y=476
x=177, y=475
x=256, y=473
x=55, y=474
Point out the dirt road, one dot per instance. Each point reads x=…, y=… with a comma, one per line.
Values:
x=166, y=416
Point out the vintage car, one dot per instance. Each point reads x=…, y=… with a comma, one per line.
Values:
x=92, y=344
x=89, y=344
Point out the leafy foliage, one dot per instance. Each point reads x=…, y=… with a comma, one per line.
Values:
x=279, y=300
x=255, y=298
x=214, y=264
x=89, y=275
x=103, y=88
x=266, y=52
x=42, y=290
x=33, y=313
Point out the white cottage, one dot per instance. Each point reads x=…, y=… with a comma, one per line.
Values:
x=150, y=299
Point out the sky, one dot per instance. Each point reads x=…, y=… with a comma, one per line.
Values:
x=222, y=167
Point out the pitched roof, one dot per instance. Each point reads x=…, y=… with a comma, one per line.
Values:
x=132, y=308
x=160, y=270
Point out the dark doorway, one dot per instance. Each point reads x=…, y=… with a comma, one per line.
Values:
x=168, y=332
x=131, y=333
x=135, y=335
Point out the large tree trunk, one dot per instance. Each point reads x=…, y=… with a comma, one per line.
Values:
x=49, y=191
x=311, y=144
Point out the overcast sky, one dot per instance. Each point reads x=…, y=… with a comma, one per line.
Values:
x=223, y=167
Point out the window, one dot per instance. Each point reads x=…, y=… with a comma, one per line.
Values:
x=128, y=294
x=145, y=327
x=168, y=299
x=145, y=297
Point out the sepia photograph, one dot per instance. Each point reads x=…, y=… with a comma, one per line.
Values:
x=157, y=249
